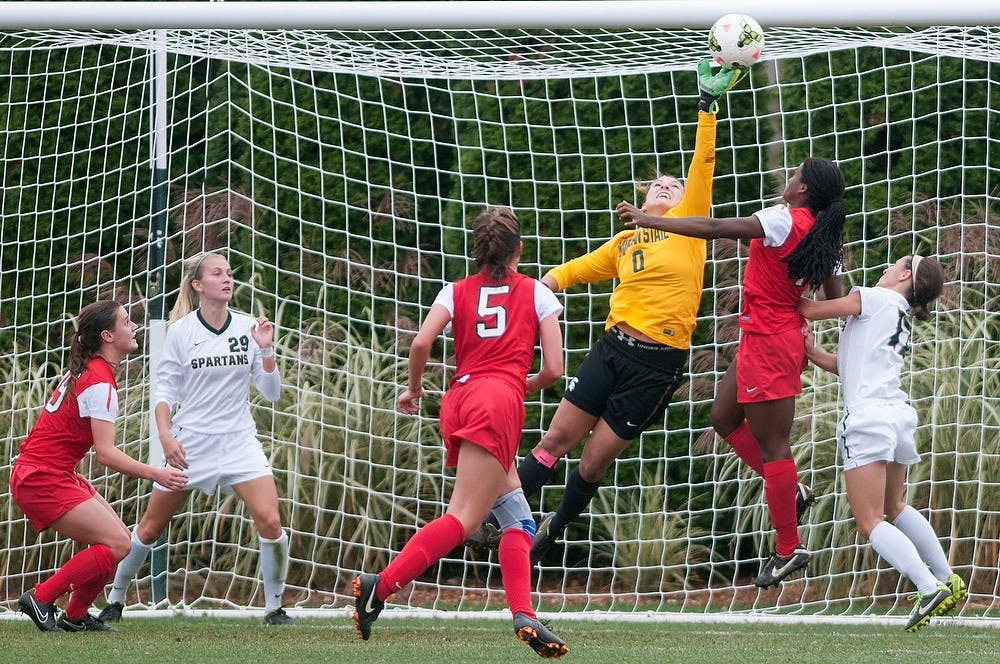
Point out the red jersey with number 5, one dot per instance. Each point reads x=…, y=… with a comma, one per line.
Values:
x=495, y=325
x=62, y=434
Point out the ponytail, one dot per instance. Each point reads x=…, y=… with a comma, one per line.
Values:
x=818, y=255
x=927, y=282
x=187, y=296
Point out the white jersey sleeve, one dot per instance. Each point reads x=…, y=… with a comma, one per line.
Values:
x=268, y=384
x=546, y=302
x=170, y=371
x=99, y=401
x=446, y=298
x=777, y=224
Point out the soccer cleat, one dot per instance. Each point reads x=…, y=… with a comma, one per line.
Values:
x=926, y=606
x=804, y=499
x=88, y=623
x=958, y=588
x=538, y=636
x=778, y=568
x=278, y=617
x=484, y=540
x=43, y=615
x=367, y=605
x=543, y=540
x=112, y=613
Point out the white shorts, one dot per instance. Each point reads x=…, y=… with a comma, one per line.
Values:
x=881, y=431
x=220, y=459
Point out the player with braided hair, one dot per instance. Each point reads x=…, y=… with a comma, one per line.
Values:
x=496, y=316
x=793, y=246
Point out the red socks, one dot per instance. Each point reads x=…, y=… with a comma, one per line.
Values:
x=515, y=570
x=85, y=574
x=780, y=479
x=427, y=546
x=746, y=447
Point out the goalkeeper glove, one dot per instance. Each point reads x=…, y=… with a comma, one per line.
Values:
x=713, y=86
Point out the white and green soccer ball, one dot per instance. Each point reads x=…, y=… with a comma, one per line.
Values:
x=736, y=40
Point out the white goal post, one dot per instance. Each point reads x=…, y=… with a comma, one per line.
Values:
x=336, y=152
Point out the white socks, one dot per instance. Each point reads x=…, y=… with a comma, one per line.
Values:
x=921, y=533
x=274, y=569
x=127, y=569
x=897, y=550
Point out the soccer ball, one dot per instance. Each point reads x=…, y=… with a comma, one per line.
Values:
x=736, y=40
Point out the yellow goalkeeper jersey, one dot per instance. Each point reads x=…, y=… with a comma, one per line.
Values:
x=660, y=274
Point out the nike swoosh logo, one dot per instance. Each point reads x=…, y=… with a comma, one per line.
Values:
x=750, y=390
x=368, y=605
x=42, y=615
x=629, y=424
x=198, y=343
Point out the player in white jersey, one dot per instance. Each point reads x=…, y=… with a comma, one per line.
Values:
x=209, y=357
x=876, y=434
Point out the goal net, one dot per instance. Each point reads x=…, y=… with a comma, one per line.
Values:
x=339, y=170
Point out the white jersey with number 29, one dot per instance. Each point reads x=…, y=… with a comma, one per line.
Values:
x=205, y=372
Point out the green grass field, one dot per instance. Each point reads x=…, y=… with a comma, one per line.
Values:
x=420, y=641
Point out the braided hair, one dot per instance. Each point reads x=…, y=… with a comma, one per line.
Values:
x=92, y=320
x=927, y=283
x=496, y=236
x=817, y=256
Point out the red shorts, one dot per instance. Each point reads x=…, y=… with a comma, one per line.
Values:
x=484, y=411
x=769, y=366
x=45, y=494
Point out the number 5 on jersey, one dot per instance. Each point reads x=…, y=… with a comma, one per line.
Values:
x=492, y=317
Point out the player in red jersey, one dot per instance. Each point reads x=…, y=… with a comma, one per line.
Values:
x=496, y=317
x=793, y=246
x=44, y=483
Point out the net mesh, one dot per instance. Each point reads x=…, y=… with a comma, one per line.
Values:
x=338, y=171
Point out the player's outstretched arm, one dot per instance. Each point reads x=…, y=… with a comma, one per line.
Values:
x=849, y=305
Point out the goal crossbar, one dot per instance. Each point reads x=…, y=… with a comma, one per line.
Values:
x=552, y=14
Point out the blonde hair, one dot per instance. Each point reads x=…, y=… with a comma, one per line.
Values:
x=187, y=297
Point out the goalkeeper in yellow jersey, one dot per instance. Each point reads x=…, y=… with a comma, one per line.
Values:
x=628, y=377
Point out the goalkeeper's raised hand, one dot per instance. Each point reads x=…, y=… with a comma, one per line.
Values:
x=713, y=86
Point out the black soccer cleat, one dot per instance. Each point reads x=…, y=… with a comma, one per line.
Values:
x=936, y=603
x=484, y=540
x=778, y=568
x=278, y=617
x=43, y=615
x=86, y=624
x=538, y=636
x=804, y=499
x=112, y=613
x=367, y=605
x=543, y=540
